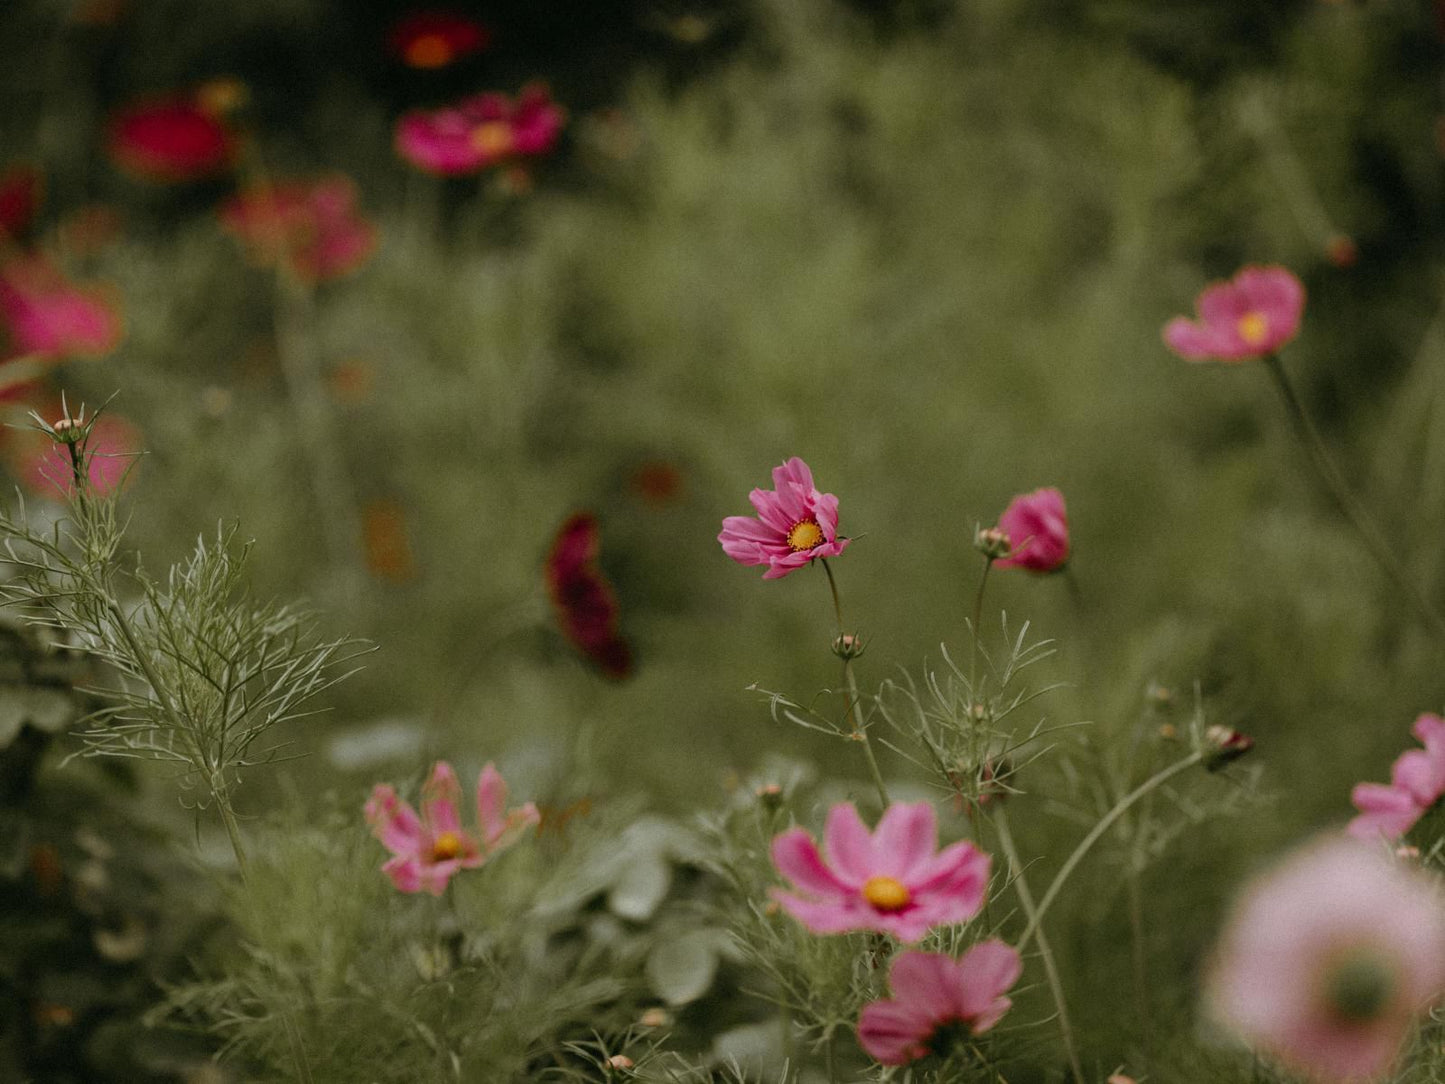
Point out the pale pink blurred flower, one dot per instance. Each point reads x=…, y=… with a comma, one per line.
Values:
x=935, y=997
x=890, y=880
x=428, y=849
x=44, y=315
x=481, y=131
x=313, y=226
x=795, y=523
x=1327, y=959
x=1037, y=527
x=1252, y=315
x=1417, y=782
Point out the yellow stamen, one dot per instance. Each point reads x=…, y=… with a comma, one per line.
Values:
x=429, y=51
x=886, y=893
x=446, y=845
x=1253, y=328
x=804, y=536
x=493, y=138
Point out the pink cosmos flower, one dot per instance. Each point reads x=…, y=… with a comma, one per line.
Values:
x=1327, y=959
x=795, y=524
x=934, y=995
x=314, y=226
x=428, y=849
x=1253, y=315
x=46, y=316
x=583, y=598
x=170, y=140
x=890, y=880
x=481, y=131
x=1417, y=782
x=1037, y=527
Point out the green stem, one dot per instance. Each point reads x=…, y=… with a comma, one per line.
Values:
x=1105, y=823
x=859, y=733
x=1046, y=955
x=977, y=636
x=1348, y=504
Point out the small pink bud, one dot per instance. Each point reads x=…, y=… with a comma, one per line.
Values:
x=992, y=542
x=1222, y=745
x=620, y=1061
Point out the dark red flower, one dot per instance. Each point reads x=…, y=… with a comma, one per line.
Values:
x=19, y=200
x=169, y=140
x=584, y=600
x=435, y=39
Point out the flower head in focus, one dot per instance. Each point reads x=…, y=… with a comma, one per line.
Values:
x=583, y=599
x=428, y=849
x=1036, y=526
x=170, y=140
x=936, y=998
x=481, y=131
x=1327, y=959
x=894, y=880
x=109, y=452
x=1252, y=315
x=313, y=226
x=1417, y=782
x=795, y=523
x=433, y=39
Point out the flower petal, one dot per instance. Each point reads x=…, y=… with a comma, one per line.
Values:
x=393, y=821
x=905, y=839
x=797, y=858
x=849, y=845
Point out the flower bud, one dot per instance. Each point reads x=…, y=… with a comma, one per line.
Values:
x=620, y=1061
x=992, y=542
x=770, y=795
x=654, y=1017
x=68, y=430
x=1223, y=745
x=848, y=646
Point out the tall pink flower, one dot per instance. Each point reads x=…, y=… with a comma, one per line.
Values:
x=47, y=316
x=795, y=524
x=481, y=131
x=890, y=880
x=1253, y=315
x=428, y=849
x=313, y=226
x=935, y=997
x=1417, y=782
x=1327, y=959
x=1037, y=527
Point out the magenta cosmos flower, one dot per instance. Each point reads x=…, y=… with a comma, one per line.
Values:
x=44, y=315
x=1037, y=527
x=1254, y=314
x=428, y=849
x=1417, y=782
x=795, y=524
x=890, y=880
x=313, y=226
x=937, y=999
x=583, y=598
x=481, y=131
x=1327, y=959
x=170, y=140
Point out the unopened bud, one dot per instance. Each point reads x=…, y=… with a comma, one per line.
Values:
x=620, y=1061
x=770, y=795
x=68, y=430
x=848, y=646
x=654, y=1017
x=1407, y=853
x=1223, y=744
x=1119, y=1078
x=992, y=542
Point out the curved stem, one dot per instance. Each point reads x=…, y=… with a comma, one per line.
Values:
x=1105, y=823
x=859, y=733
x=1348, y=504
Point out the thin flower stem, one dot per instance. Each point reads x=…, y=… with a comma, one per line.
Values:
x=1046, y=955
x=1349, y=505
x=977, y=635
x=1106, y=822
x=850, y=683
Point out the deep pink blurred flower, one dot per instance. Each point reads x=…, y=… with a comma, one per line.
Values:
x=170, y=139
x=1326, y=960
x=314, y=226
x=1037, y=527
x=795, y=524
x=584, y=601
x=935, y=997
x=481, y=131
x=1253, y=315
x=428, y=849
x=20, y=188
x=112, y=449
x=46, y=316
x=436, y=38
x=889, y=880
x=1417, y=782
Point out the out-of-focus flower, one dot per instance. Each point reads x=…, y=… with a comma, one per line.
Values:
x=313, y=227
x=351, y=381
x=428, y=849
x=223, y=95
x=388, y=547
x=1326, y=960
x=88, y=229
x=20, y=189
x=938, y=1000
x=795, y=523
x=436, y=38
x=170, y=140
x=1224, y=745
x=584, y=601
x=47, y=316
x=657, y=482
x=1417, y=782
x=1252, y=315
x=481, y=131
x=1037, y=527
x=111, y=449
x=889, y=880
x=1341, y=250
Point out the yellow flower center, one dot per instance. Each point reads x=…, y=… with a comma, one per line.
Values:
x=494, y=137
x=446, y=845
x=804, y=536
x=1253, y=328
x=886, y=893
x=429, y=51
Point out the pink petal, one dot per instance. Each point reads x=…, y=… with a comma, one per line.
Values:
x=1221, y=304
x=848, y=845
x=491, y=804
x=441, y=798
x=797, y=858
x=770, y=510
x=405, y=873
x=794, y=472
x=925, y=982
x=892, y=1033
x=1430, y=731
x=905, y=839
x=982, y=974
x=825, y=511
x=1383, y=810
x=393, y=822
x=1419, y=775
x=823, y=916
